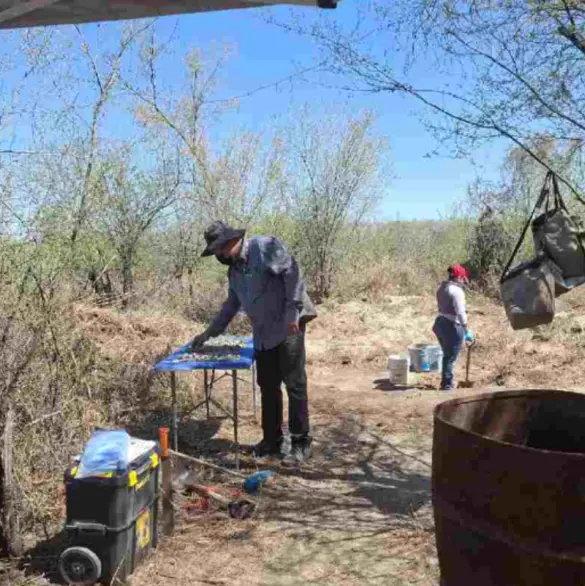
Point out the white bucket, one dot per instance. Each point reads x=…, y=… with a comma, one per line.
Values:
x=399, y=366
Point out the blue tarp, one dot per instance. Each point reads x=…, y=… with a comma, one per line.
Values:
x=106, y=451
x=171, y=364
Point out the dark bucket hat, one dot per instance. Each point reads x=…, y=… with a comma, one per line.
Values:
x=217, y=235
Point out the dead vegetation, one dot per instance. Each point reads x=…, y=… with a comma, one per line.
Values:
x=359, y=514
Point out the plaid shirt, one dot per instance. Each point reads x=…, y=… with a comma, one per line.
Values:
x=266, y=283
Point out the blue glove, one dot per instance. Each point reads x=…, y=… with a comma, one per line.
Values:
x=469, y=336
x=254, y=483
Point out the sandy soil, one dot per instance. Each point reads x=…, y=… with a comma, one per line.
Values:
x=360, y=512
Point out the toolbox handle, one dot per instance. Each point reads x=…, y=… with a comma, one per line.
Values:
x=143, y=468
x=88, y=528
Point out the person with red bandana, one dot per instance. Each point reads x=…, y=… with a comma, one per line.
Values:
x=451, y=327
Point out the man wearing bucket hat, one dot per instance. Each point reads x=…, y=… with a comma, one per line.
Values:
x=265, y=281
x=451, y=326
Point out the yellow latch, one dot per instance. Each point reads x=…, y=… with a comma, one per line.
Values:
x=143, y=482
x=132, y=478
x=154, y=460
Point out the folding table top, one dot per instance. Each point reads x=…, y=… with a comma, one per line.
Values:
x=178, y=362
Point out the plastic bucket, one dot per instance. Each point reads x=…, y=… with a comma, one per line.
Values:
x=425, y=357
x=399, y=367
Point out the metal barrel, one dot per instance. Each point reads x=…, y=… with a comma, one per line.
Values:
x=509, y=489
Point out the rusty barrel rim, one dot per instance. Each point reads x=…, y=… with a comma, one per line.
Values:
x=503, y=395
x=485, y=519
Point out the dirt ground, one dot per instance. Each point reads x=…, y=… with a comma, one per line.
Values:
x=359, y=513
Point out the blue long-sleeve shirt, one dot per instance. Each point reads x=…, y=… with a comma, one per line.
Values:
x=266, y=282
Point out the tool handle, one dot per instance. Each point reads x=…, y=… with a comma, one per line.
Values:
x=210, y=494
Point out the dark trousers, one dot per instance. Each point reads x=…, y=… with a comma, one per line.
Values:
x=284, y=364
x=450, y=336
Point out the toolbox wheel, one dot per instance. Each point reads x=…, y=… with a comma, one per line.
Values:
x=80, y=565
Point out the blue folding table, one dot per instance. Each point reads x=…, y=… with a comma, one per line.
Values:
x=175, y=363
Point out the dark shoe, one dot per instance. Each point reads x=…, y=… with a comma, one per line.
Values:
x=446, y=388
x=299, y=452
x=265, y=449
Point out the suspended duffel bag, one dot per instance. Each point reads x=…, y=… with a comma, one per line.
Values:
x=528, y=293
x=558, y=234
x=528, y=289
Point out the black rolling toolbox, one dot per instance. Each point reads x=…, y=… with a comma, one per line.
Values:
x=111, y=520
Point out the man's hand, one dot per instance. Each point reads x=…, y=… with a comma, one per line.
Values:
x=198, y=341
x=293, y=329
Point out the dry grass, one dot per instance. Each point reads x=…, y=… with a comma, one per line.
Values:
x=136, y=337
x=88, y=368
x=360, y=512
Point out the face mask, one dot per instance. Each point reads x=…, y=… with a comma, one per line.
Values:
x=224, y=260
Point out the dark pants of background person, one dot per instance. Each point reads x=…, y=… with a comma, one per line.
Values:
x=450, y=336
x=284, y=364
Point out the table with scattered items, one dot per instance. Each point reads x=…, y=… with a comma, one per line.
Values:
x=223, y=353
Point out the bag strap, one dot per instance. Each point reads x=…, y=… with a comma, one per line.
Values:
x=544, y=197
x=544, y=193
x=558, y=198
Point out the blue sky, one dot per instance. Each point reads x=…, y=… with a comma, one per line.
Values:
x=421, y=188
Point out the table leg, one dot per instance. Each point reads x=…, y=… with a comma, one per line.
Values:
x=235, y=390
x=206, y=390
x=254, y=390
x=175, y=417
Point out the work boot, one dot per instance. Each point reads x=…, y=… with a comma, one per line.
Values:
x=266, y=449
x=300, y=452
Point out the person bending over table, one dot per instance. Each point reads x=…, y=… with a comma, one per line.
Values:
x=265, y=280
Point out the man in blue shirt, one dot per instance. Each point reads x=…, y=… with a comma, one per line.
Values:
x=265, y=281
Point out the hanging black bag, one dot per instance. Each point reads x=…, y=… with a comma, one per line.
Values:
x=558, y=235
x=528, y=289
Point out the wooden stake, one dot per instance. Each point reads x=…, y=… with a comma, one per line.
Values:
x=175, y=415
x=163, y=440
x=168, y=515
x=205, y=463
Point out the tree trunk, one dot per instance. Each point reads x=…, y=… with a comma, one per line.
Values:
x=191, y=291
x=127, y=279
x=10, y=540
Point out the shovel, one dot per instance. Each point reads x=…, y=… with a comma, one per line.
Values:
x=467, y=384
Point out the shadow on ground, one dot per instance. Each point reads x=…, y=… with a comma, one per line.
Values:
x=43, y=558
x=384, y=384
x=196, y=436
x=347, y=507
